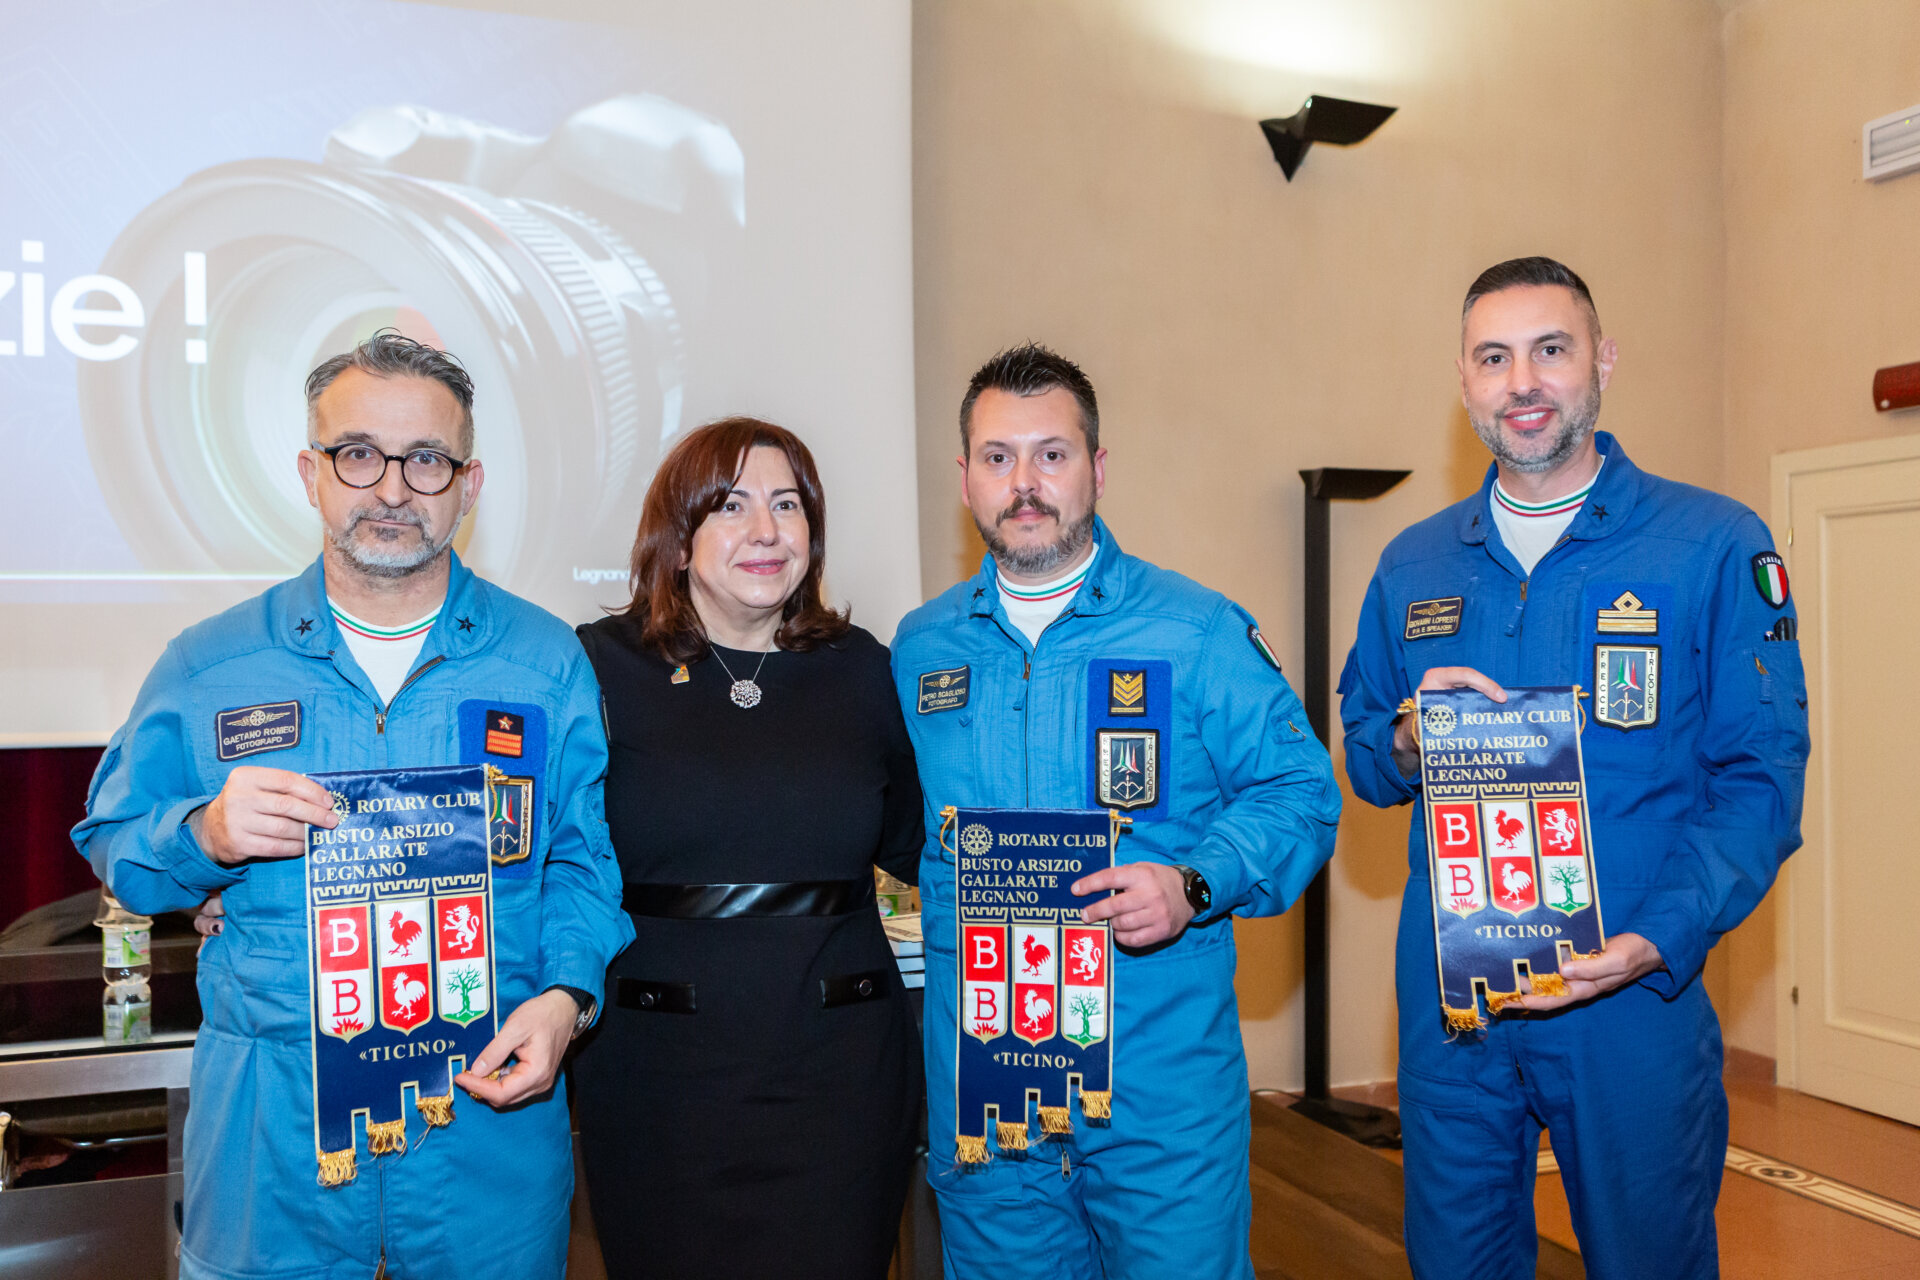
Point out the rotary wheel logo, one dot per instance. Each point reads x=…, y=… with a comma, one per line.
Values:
x=976, y=839
x=340, y=804
x=1438, y=721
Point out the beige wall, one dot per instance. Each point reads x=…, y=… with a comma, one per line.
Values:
x=1089, y=173
x=1822, y=282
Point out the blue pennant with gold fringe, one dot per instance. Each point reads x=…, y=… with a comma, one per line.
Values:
x=1036, y=984
x=1509, y=845
x=400, y=942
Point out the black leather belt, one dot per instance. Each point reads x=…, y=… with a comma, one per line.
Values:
x=736, y=901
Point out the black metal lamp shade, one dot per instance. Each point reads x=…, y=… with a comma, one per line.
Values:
x=1321, y=119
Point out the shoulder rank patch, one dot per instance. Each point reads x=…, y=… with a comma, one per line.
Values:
x=1770, y=578
x=1128, y=768
x=506, y=734
x=1626, y=685
x=1126, y=693
x=1628, y=617
x=509, y=834
x=945, y=690
x=246, y=731
x=1429, y=618
x=1261, y=647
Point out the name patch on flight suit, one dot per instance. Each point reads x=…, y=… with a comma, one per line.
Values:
x=246, y=731
x=944, y=690
x=1429, y=618
x=1129, y=732
x=512, y=737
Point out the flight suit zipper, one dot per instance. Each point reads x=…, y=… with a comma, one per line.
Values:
x=380, y=717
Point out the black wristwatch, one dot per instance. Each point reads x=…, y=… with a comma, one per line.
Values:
x=585, y=1004
x=1199, y=892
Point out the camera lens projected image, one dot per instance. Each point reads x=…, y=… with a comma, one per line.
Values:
x=200, y=200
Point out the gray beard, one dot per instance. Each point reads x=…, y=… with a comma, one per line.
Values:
x=1576, y=424
x=1032, y=562
x=376, y=560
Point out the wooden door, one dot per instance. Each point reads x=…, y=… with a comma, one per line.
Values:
x=1850, y=919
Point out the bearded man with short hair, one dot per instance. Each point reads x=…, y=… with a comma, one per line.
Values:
x=1233, y=811
x=387, y=653
x=1669, y=606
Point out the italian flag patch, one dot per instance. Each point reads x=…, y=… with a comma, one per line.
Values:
x=1770, y=577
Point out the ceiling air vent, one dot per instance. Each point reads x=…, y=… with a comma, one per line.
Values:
x=1890, y=145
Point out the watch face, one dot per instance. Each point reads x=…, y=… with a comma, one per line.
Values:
x=1199, y=894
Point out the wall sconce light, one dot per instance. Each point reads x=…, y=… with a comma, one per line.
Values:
x=1321, y=119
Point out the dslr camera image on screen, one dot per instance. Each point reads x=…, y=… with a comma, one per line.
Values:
x=568, y=272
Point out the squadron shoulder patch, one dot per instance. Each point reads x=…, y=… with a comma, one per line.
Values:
x=1261, y=647
x=1127, y=768
x=1770, y=578
x=246, y=731
x=1626, y=685
x=509, y=834
x=1427, y=619
x=1126, y=693
x=944, y=690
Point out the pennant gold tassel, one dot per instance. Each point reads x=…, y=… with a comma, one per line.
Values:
x=386, y=1137
x=949, y=816
x=1459, y=1020
x=1498, y=1000
x=1096, y=1104
x=970, y=1148
x=1549, y=984
x=1055, y=1121
x=437, y=1112
x=336, y=1167
x=1012, y=1135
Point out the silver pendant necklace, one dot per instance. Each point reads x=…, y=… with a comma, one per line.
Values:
x=745, y=693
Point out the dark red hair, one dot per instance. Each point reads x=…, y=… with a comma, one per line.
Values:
x=693, y=482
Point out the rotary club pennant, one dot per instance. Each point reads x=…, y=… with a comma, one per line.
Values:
x=399, y=911
x=1508, y=845
x=1036, y=985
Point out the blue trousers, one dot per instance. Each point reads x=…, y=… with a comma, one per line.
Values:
x=1159, y=1192
x=1627, y=1085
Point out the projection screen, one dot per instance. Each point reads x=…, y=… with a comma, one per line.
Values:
x=626, y=217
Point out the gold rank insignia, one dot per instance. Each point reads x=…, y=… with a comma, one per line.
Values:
x=1126, y=693
x=1628, y=617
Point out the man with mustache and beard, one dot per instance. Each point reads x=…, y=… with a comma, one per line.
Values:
x=1067, y=674
x=1571, y=566
x=386, y=653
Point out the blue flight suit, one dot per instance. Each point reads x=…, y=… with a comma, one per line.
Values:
x=1692, y=816
x=488, y=1195
x=1246, y=796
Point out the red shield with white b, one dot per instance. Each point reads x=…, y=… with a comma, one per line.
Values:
x=346, y=970
x=1036, y=971
x=1459, y=881
x=403, y=938
x=983, y=980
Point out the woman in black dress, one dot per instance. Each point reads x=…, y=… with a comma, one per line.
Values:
x=748, y=1106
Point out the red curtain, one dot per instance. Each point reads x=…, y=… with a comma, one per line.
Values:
x=48, y=794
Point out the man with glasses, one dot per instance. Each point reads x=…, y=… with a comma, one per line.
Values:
x=386, y=653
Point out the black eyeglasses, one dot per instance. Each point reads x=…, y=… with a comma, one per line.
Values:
x=361, y=466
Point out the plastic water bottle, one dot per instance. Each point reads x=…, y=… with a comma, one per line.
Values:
x=126, y=962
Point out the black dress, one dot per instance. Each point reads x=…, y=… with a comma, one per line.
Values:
x=771, y=1130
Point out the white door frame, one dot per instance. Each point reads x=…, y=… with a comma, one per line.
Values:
x=1786, y=466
